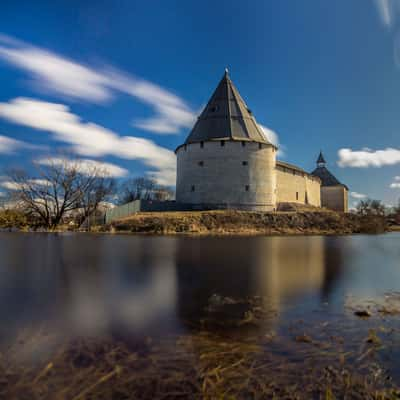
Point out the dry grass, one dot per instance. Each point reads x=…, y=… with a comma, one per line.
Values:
x=246, y=222
x=309, y=362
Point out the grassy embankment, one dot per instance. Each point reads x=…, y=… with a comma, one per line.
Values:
x=245, y=222
x=296, y=220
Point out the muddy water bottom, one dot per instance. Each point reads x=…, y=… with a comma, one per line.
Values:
x=103, y=317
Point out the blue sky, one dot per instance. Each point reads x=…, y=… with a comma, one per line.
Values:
x=122, y=82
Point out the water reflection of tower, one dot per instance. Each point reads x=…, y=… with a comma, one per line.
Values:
x=289, y=267
x=283, y=270
x=207, y=266
x=295, y=269
x=334, y=250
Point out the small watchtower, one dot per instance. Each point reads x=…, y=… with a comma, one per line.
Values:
x=334, y=194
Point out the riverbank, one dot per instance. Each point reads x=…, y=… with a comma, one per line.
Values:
x=243, y=357
x=230, y=222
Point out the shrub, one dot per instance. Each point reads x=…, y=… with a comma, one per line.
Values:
x=12, y=219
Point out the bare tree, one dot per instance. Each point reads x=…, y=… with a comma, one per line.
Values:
x=100, y=189
x=371, y=207
x=57, y=187
x=163, y=193
x=140, y=188
x=396, y=212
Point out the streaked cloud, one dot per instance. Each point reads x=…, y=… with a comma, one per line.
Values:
x=386, y=10
x=86, y=166
x=54, y=73
x=171, y=112
x=11, y=185
x=389, y=12
x=9, y=145
x=89, y=139
x=358, y=196
x=368, y=158
x=60, y=75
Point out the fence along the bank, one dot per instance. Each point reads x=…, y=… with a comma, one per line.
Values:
x=144, y=205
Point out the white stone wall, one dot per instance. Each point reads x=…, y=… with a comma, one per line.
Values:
x=294, y=186
x=215, y=175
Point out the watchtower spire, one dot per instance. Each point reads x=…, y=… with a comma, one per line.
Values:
x=321, y=160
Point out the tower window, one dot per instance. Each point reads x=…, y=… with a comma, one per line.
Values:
x=259, y=145
x=222, y=143
x=243, y=143
x=297, y=195
x=201, y=144
x=247, y=187
x=244, y=163
x=200, y=163
x=192, y=189
x=214, y=108
x=185, y=147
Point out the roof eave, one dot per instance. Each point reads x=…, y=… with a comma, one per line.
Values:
x=227, y=139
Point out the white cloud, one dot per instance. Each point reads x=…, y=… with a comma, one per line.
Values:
x=395, y=185
x=172, y=113
x=397, y=178
x=87, y=138
x=389, y=11
x=85, y=166
x=356, y=195
x=61, y=75
x=10, y=185
x=9, y=145
x=273, y=137
x=386, y=11
x=55, y=73
x=368, y=158
x=270, y=135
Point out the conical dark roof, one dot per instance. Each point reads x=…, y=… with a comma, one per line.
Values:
x=226, y=117
x=327, y=178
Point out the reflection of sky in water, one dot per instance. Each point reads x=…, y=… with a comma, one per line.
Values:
x=98, y=284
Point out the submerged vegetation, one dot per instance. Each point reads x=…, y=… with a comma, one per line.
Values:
x=349, y=358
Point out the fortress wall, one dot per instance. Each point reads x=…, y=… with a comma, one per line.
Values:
x=313, y=188
x=294, y=186
x=229, y=176
x=335, y=198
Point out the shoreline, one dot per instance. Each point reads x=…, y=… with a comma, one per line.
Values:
x=235, y=223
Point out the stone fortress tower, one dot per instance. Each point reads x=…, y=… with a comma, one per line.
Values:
x=228, y=162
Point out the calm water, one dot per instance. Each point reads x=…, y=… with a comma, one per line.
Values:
x=82, y=285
